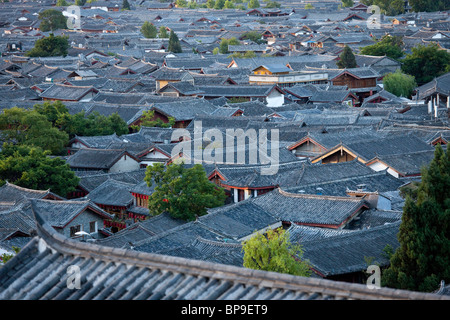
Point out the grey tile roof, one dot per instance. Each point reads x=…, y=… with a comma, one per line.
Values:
x=237, y=221
x=374, y=182
x=92, y=180
x=101, y=142
x=184, y=109
x=100, y=159
x=312, y=210
x=120, y=274
x=66, y=92
x=408, y=163
x=347, y=252
x=112, y=193
x=393, y=145
x=59, y=213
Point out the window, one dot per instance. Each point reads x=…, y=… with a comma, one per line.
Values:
x=74, y=229
x=92, y=226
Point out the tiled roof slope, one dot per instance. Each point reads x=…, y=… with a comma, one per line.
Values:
x=39, y=271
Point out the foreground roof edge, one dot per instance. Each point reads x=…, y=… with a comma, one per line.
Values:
x=49, y=240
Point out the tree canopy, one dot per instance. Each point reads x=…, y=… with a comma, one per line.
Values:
x=182, y=192
x=28, y=127
x=50, y=126
x=390, y=46
x=423, y=258
x=395, y=7
x=148, y=120
x=50, y=46
x=426, y=62
x=31, y=167
x=273, y=251
x=149, y=30
x=52, y=20
x=254, y=36
x=400, y=84
x=347, y=59
x=174, y=43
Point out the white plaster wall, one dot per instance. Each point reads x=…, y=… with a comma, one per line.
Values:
x=275, y=99
x=125, y=164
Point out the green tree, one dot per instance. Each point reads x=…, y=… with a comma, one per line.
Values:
x=426, y=62
x=62, y=3
x=390, y=46
x=210, y=4
x=216, y=50
x=163, y=33
x=273, y=4
x=309, y=6
x=347, y=3
x=429, y=5
x=274, y=252
x=347, y=59
x=31, y=167
x=79, y=124
x=51, y=110
x=174, y=43
x=223, y=46
x=228, y=4
x=29, y=127
x=423, y=258
x=181, y=3
x=148, y=30
x=400, y=84
x=50, y=46
x=4, y=258
x=218, y=4
x=252, y=4
x=254, y=36
x=148, y=120
x=182, y=192
x=125, y=5
x=52, y=20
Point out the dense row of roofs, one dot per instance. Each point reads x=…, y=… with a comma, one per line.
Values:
x=340, y=168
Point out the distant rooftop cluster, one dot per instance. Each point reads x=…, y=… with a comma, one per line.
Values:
x=345, y=148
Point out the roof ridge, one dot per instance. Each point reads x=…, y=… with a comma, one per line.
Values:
x=315, y=196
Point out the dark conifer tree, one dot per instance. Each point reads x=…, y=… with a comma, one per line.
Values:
x=423, y=258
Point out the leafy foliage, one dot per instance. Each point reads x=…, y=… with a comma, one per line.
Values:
x=395, y=7
x=52, y=20
x=390, y=46
x=50, y=46
x=252, y=4
x=183, y=192
x=4, y=258
x=273, y=251
x=174, y=43
x=29, y=127
x=347, y=3
x=125, y=5
x=347, y=59
x=50, y=126
x=224, y=43
x=426, y=62
x=254, y=36
x=148, y=120
x=423, y=258
x=31, y=167
x=163, y=32
x=149, y=30
x=400, y=84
